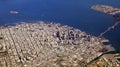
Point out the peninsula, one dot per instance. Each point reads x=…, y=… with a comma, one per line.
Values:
x=43, y=44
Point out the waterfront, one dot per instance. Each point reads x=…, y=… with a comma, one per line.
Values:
x=77, y=14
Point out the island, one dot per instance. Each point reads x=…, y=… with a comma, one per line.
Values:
x=106, y=9
x=14, y=12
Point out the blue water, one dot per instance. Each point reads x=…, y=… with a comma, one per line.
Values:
x=75, y=13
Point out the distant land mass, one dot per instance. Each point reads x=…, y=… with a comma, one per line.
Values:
x=106, y=9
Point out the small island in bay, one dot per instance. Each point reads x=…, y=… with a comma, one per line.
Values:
x=14, y=12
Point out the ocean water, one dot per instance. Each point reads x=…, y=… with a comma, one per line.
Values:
x=75, y=13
